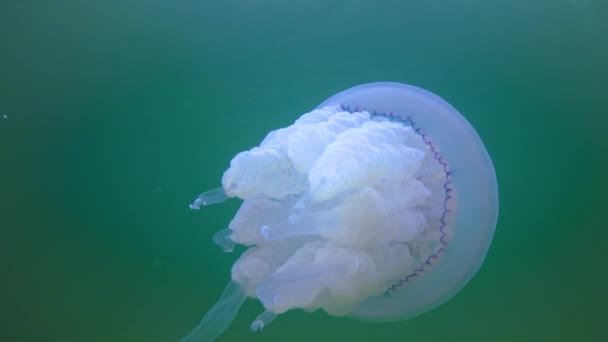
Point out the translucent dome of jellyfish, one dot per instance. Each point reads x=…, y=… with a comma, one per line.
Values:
x=380, y=204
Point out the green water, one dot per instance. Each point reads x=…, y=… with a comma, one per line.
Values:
x=120, y=112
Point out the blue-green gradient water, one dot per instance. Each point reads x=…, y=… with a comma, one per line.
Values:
x=118, y=113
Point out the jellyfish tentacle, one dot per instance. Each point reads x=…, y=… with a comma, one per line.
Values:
x=209, y=197
x=298, y=284
x=224, y=240
x=316, y=224
x=219, y=317
x=262, y=320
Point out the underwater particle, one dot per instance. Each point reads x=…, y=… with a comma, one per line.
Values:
x=379, y=205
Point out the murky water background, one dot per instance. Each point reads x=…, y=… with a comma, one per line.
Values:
x=115, y=114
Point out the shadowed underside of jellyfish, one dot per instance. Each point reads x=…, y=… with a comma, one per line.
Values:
x=380, y=204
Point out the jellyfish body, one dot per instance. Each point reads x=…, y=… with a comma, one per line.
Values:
x=378, y=205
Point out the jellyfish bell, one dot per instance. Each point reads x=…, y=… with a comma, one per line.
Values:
x=380, y=204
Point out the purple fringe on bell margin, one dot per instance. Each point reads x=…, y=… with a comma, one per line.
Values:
x=446, y=187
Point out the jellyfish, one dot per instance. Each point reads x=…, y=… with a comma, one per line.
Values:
x=378, y=205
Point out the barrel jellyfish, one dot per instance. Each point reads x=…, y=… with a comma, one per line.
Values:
x=380, y=204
